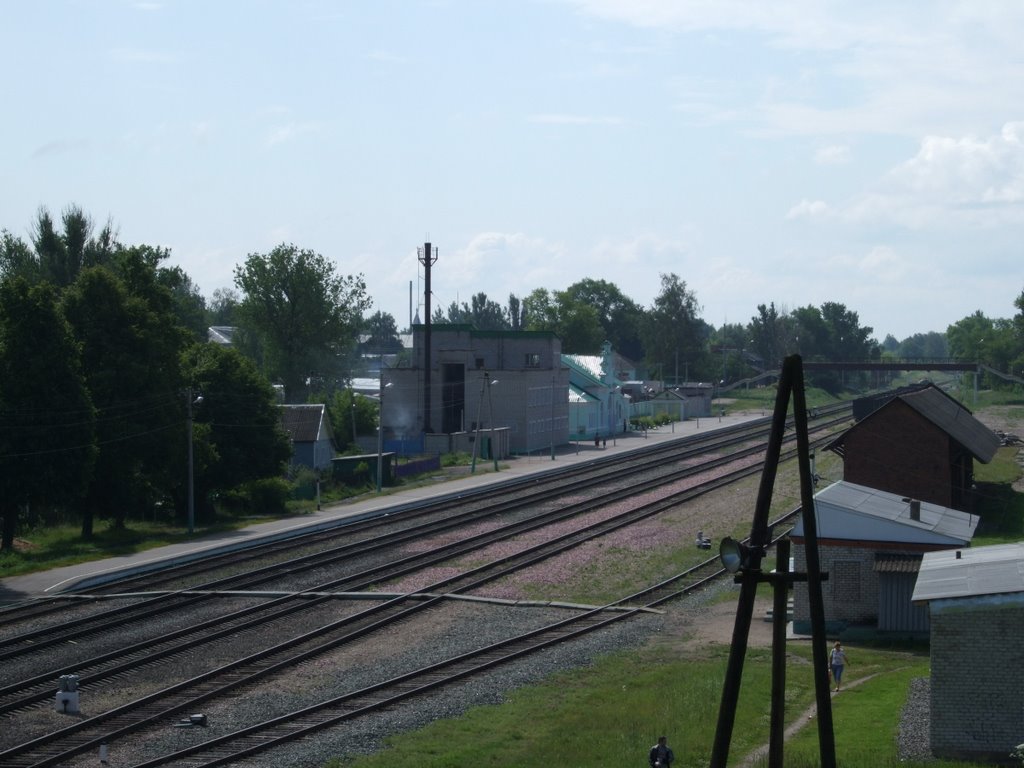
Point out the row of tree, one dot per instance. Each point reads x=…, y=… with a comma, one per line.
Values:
x=672, y=341
x=670, y=338
x=103, y=352
x=103, y=365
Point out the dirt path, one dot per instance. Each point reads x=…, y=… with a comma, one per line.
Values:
x=805, y=719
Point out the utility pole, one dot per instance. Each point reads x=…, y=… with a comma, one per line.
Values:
x=427, y=257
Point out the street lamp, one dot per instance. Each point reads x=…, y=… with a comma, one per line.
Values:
x=189, y=401
x=485, y=385
x=380, y=435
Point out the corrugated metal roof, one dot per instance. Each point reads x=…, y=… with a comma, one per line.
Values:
x=955, y=420
x=850, y=511
x=888, y=563
x=971, y=572
x=946, y=414
x=588, y=364
x=577, y=395
x=302, y=422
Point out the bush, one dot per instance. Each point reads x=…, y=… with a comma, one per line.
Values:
x=455, y=459
x=642, y=422
x=268, y=496
x=304, y=484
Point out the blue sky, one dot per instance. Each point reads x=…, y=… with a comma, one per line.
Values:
x=869, y=153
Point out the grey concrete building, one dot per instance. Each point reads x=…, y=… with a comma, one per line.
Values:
x=513, y=382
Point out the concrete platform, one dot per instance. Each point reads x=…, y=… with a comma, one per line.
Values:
x=51, y=583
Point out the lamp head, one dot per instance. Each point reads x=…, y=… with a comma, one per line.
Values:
x=735, y=555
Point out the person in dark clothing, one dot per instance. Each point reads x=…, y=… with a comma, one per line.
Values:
x=661, y=755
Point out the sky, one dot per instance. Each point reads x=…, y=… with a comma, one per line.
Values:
x=866, y=153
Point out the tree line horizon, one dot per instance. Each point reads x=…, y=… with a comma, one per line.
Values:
x=102, y=346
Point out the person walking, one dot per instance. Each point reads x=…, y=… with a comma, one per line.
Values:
x=661, y=755
x=837, y=661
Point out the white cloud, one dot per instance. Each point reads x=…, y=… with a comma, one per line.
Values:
x=876, y=67
x=882, y=264
x=807, y=209
x=835, y=154
x=60, y=147
x=561, y=119
x=138, y=55
x=652, y=251
x=952, y=181
x=968, y=169
x=386, y=57
x=291, y=131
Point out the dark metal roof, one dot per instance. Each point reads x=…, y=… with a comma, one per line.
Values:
x=891, y=563
x=865, y=406
x=946, y=414
x=302, y=422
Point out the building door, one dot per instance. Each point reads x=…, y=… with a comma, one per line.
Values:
x=453, y=397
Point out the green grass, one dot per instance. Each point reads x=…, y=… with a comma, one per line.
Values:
x=609, y=714
x=1000, y=508
x=45, y=547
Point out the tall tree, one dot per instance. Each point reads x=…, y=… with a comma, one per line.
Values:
x=768, y=332
x=351, y=415
x=931, y=346
x=17, y=259
x=223, y=307
x=846, y=338
x=46, y=416
x=620, y=316
x=967, y=336
x=516, y=313
x=575, y=322
x=674, y=332
x=131, y=346
x=63, y=253
x=305, y=314
x=382, y=334
x=810, y=335
x=237, y=425
x=482, y=313
x=188, y=303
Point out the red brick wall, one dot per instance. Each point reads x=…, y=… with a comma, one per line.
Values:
x=901, y=452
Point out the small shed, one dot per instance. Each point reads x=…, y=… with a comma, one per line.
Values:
x=975, y=598
x=871, y=542
x=921, y=444
x=310, y=432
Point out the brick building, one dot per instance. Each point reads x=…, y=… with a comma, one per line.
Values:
x=920, y=444
x=975, y=598
x=871, y=542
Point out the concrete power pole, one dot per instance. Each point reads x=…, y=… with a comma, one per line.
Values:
x=427, y=258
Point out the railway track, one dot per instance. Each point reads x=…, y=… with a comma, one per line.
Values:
x=117, y=723
x=270, y=734
x=358, y=539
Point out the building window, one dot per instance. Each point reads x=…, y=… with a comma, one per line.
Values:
x=532, y=360
x=479, y=363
